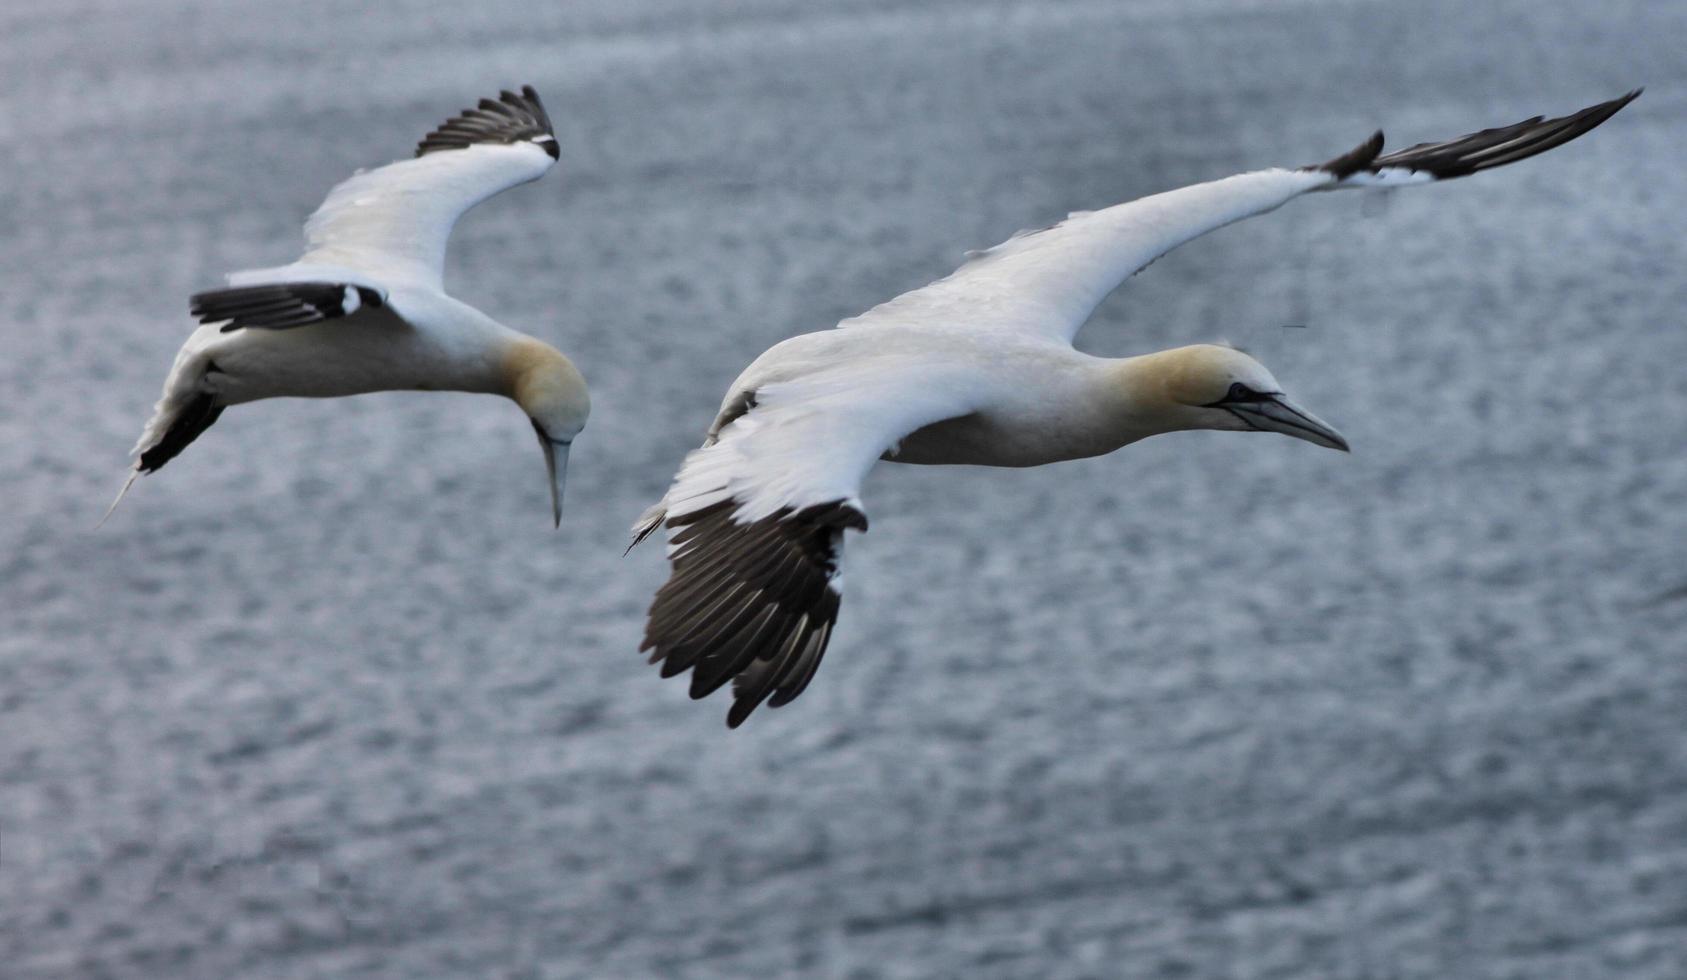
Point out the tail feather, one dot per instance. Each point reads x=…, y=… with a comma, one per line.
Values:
x=180, y=429
x=647, y=523
x=193, y=418
x=134, y=473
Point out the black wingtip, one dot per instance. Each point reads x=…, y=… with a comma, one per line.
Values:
x=510, y=118
x=1353, y=160
x=1617, y=103
x=1593, y=115
x=1482, y=150
x=752, y=604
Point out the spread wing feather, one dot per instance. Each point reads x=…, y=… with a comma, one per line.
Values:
x=756, y=521
x=392, y=223
x=1050, y=281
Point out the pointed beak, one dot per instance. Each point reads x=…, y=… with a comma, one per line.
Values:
x=556, y=468
x=1277, y=414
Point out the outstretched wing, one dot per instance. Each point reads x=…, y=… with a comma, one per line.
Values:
x=756, y=521
x=1050, y=281
x=391, y=224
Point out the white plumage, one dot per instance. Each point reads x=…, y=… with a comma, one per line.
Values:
x=364, y=309
x=975, y=368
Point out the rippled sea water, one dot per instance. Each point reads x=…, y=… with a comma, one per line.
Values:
x=327, y=698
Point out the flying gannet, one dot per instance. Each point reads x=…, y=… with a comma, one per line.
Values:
x=365, y=309
x=977, y=368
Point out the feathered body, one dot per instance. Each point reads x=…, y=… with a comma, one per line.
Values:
x=364, y=309
x=976, y=368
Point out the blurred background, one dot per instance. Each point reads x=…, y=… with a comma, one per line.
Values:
x=328, y=698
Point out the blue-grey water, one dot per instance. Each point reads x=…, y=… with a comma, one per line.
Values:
x=327, y=697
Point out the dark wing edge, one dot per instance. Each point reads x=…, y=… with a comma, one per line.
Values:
x=281, y=306
x=751, y=602
x=1476, y=151
x=510, y=118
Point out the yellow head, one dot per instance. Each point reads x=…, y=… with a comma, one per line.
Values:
x=552, y=392
x=1206, y=386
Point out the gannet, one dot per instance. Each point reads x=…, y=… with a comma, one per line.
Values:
x=365, y=309
x=976, y=368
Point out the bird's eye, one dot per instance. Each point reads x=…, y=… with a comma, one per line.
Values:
x=1239, y=392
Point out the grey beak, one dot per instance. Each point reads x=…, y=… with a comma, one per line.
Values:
x=556, y=468
x=1277, y=414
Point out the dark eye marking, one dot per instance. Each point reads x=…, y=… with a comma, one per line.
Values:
x=1240, y=393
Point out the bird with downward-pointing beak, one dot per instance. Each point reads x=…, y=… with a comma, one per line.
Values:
x=365, y=308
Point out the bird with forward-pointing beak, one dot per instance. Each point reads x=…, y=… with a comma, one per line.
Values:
x=977, y=368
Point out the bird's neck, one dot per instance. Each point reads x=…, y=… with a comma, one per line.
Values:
x=523, y=362
x=1133, y=393
x=1052, y=407
x=541, y=380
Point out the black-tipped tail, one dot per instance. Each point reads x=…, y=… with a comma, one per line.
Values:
x=196, y=417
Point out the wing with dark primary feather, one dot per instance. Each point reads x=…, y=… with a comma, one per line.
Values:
x=756, y=521
x=510, y=118
x=1049, y=281
x=279, y=306
x=392, y=223
x=753, y=603
x=1475, y=152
